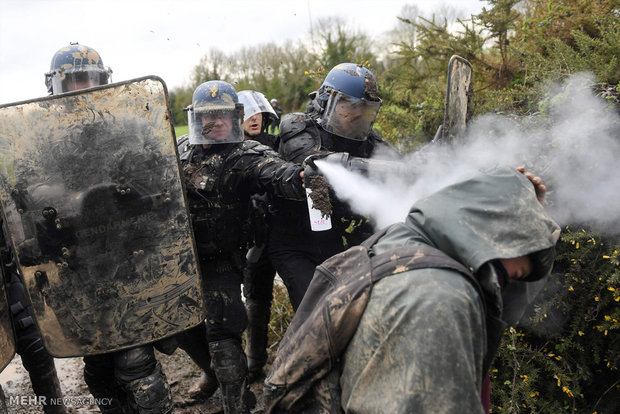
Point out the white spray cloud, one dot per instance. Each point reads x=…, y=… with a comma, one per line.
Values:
x=385, y=204
x=575, y=148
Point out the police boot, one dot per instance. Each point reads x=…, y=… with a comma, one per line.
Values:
x=194, y=343
x=206, y=386
x=256, y=337
x=151, y=394
x=231, y=369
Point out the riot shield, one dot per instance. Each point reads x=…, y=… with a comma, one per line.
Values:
x=459, y=91
x=92, y=195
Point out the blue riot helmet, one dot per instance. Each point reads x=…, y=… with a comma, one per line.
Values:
x=76, y=67
x=255, y=102
x=350, y=101
x=215, y=115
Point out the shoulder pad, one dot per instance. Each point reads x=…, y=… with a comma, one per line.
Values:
x=299, y=137
x=184, y=148
x=294, y=123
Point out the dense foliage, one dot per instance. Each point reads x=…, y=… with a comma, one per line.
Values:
x=565, y=358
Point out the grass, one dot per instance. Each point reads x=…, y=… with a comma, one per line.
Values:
x=181, y=130
x=281, y=316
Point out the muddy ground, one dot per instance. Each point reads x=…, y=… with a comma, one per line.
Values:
x=180, y=370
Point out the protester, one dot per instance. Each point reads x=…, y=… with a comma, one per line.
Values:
x=420, y=334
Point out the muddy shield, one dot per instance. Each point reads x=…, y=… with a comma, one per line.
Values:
x=459, y=92
x=92, y=196
x=7, y=340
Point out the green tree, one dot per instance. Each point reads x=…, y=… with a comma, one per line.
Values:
x=180, y=98
x=339, y=44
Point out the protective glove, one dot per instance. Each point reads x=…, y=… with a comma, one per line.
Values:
x=311, y=169
x=342, y=158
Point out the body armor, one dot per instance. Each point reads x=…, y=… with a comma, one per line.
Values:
x=217, y=221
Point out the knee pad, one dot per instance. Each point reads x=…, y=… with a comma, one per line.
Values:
x=151, y=394
x=228, y=361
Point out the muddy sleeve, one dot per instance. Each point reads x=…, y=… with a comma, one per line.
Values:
x=419, y=347
x=260, y=169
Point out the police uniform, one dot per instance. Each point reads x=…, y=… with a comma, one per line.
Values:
x=294, y=249
x=220, y=181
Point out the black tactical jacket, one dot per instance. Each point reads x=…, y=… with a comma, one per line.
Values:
x=272, y=141
x=220, y=181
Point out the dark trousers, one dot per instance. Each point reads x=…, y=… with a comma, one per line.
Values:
x=221, y=282
x=295, y=257
x=122, y=366
x=258, y=292
x=258, y=280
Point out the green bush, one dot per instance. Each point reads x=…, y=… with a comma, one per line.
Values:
x=565, y=357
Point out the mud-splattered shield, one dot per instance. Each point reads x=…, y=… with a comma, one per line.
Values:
x=459, y=92
x=92, y=196
x=7, y=339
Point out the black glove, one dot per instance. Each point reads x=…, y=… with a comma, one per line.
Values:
x=342, y=158
x=311, y=169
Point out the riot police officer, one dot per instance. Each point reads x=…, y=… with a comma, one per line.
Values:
x=221, y=173
x=73, y=67
x=35, y=358
x=257, y=116
x=131, y=377
x=259, y=273
x=339, y=118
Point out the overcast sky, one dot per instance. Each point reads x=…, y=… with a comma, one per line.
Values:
x=167, y=38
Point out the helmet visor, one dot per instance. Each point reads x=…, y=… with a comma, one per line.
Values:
x=221, y=125
x=349, y=117
x=254, y=103
x=72, y=81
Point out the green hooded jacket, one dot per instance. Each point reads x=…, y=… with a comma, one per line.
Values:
x=424, y=344
x=422, y=340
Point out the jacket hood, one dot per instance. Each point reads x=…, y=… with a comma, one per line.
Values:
x=494, y=215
